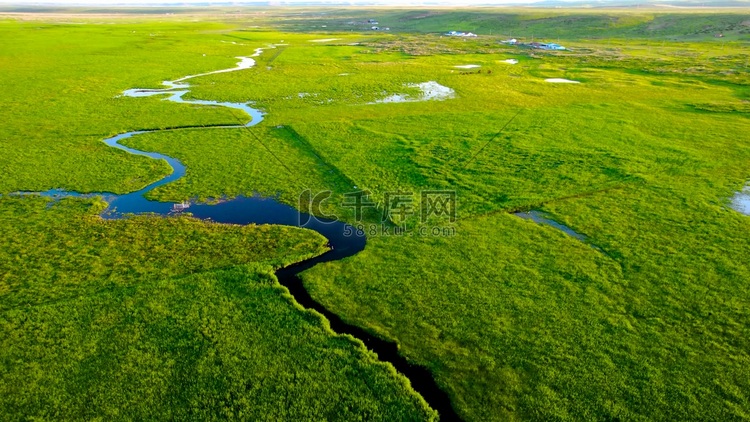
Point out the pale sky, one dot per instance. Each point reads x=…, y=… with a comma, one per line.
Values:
x=335, y=2
x=282, y=2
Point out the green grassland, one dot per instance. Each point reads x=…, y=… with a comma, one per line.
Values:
x=61, y=104
x=152, y=318
x=66, y=251
x=593, y=23
x=516, y=320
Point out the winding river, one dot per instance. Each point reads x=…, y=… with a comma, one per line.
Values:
x=344, y=241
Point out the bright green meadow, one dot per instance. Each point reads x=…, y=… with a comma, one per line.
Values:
x=647, y=319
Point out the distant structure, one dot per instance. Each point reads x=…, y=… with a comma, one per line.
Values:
x=371, y=23
x=511, y=41
x=552, y=46
x=181, y=206
x=544, y=46
x=460, y=34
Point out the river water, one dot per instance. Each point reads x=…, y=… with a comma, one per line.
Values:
x=343, y=240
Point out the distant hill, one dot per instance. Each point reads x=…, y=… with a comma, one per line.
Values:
x=32, y=5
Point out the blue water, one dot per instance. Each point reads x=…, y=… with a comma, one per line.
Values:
x=540, y=218
x=741, y=201
x=342, y=238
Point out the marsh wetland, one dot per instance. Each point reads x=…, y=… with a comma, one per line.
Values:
x=324, y=221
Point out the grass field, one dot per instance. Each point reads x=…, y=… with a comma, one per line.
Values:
x=151, y=318
x=648, y=320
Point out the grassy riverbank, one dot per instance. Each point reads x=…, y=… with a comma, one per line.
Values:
x=517, y=321
x=171, y=318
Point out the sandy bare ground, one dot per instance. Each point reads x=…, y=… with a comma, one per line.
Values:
x=561, y=81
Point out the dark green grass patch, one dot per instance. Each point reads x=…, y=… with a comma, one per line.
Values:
x=521, y=322
x=67, y=251
x=215, y=346
x=127, y=319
